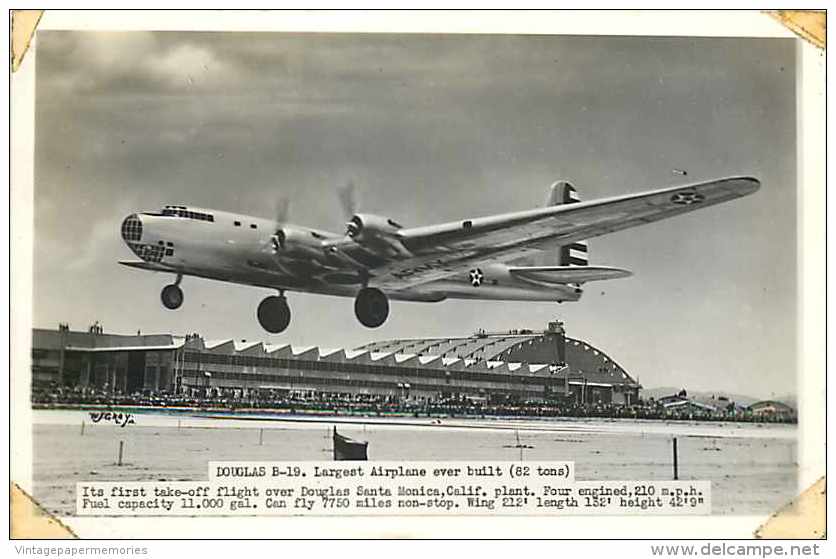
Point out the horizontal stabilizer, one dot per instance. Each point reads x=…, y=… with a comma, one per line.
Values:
x=568, y=274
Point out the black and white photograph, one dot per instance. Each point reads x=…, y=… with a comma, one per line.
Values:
x=319, y=246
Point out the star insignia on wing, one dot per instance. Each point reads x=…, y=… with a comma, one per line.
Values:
x=687, y=197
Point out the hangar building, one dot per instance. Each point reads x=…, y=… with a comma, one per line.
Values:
x=586, y=373
x=518, y=365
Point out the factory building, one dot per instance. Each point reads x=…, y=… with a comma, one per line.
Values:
x=519, y=365
x=113, y=362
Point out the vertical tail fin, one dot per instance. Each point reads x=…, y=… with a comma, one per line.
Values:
x=575, y=254
x=555, y=197
x=568, y=193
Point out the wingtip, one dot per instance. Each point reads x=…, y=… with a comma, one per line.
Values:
x=747, y=185
x=617, y=273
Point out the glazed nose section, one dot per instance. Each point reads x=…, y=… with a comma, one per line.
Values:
x=132, y=229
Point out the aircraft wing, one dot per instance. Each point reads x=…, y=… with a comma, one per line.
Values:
x=450, y=248
x=143, y=265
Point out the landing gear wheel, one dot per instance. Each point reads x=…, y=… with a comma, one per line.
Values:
x=274, y=314
x=172, y=296
x=371, y=307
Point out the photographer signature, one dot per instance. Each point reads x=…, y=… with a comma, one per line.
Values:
x=120, y=419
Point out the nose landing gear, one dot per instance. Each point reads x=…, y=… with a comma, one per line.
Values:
x=371, y=307
x=274, y=314
x=172, y=295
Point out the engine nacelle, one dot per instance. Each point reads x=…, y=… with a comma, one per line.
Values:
x=378, y=234
x=369, y=227
x=297, y=243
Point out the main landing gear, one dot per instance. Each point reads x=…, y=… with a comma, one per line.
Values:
x=371, y=307
x=172, y=295
x=274, y=314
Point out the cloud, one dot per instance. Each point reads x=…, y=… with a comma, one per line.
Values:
x=189, y=66
x=127, y=63
x=431, y=129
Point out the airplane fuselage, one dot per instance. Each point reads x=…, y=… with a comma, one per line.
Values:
x=242, y=249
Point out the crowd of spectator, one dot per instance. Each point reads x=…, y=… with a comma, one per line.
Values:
x=309, y=402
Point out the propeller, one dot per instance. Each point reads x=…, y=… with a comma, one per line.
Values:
x=346, y=195
x=282, y=209
x=348, y=199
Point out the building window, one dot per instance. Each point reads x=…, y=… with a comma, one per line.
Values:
x=237, y=224
x=253, y=226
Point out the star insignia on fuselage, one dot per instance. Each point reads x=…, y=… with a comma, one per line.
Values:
x=476, y=277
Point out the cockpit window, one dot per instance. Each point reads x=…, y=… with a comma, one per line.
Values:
x=181, y=211
x=132, y=229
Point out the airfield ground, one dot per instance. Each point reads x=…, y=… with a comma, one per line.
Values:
x=752, y=467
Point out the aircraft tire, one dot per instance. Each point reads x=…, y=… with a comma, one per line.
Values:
x=172, y=296
x=274, y=314
x=371, y=307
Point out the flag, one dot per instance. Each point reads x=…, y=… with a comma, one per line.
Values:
x=349, y=449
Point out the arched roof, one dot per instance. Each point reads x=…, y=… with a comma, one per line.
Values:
x=485, y=347
x=583, y=359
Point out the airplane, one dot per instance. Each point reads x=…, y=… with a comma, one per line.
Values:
x=378, y=259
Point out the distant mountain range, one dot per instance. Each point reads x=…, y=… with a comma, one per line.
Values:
x=708, y=397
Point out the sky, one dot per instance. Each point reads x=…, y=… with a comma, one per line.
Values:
x=431, y=128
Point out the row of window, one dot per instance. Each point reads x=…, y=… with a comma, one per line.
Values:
x=180, y=211
x=361, y=368
x=197, y=378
